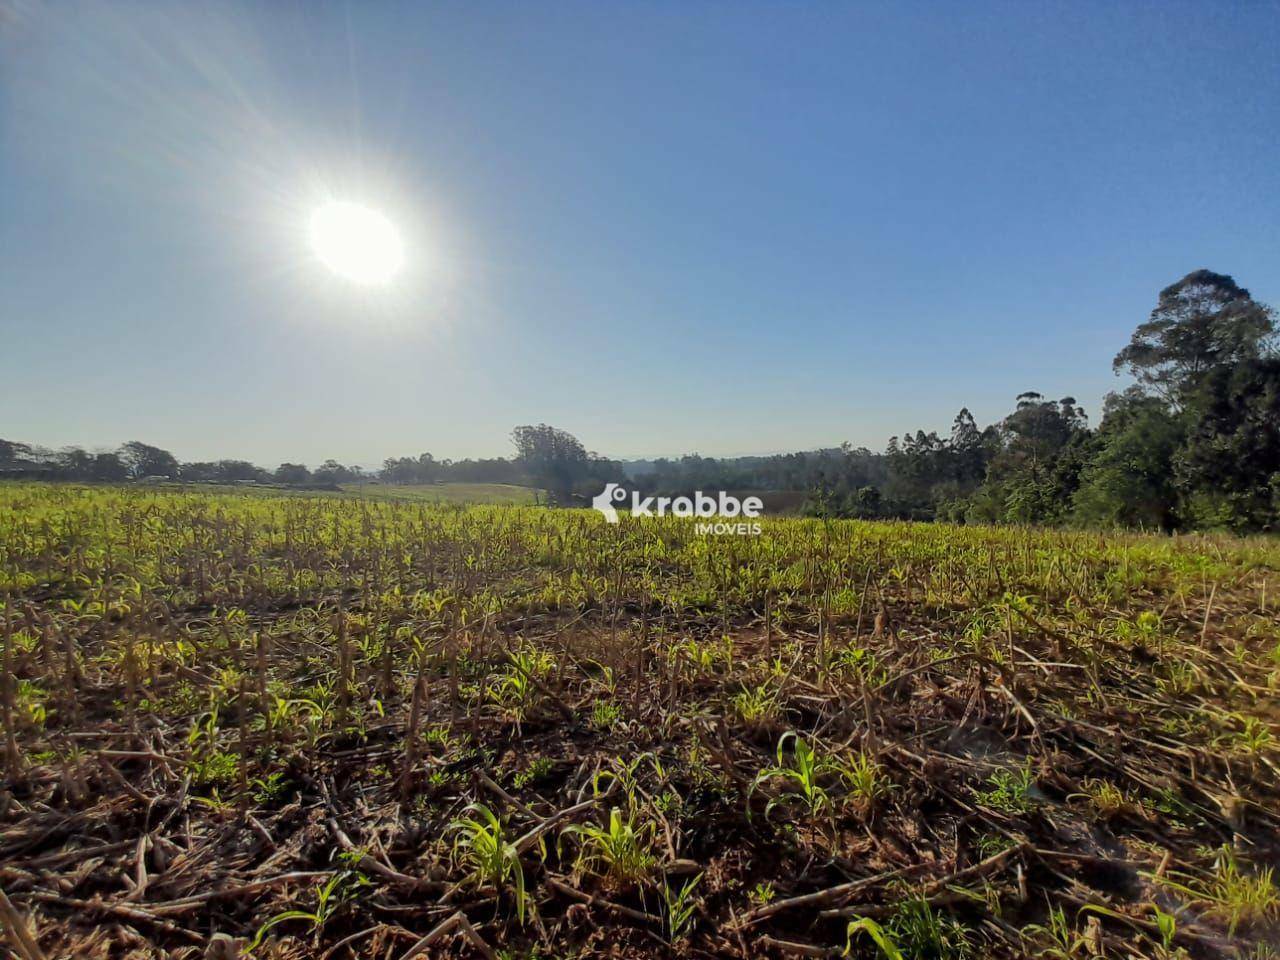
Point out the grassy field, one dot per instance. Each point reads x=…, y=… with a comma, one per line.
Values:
x=456, y=493
x=365, y=727
x=465, y=493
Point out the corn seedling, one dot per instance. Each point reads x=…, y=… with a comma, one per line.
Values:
x=679, y=908
x=879, y=936
x=799, y=771
x=481, y=846
x=620, y=851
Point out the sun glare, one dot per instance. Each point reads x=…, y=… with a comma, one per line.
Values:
x=357, y=243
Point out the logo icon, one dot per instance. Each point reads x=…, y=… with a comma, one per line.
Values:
x=604, y=501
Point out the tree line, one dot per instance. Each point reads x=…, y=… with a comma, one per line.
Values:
x=1193, y=443
x=546, y=457
x=136, y=460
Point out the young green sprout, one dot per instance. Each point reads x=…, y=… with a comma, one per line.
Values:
x=481, y=846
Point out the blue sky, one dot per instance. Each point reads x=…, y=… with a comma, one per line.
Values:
x=723, y=227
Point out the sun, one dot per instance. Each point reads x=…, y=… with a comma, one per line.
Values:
x=356, y=243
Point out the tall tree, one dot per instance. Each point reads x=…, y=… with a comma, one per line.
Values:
x=1203, y=322
x=968, y=450
x=1230, y=467
x=1129, y=481
x=1042, y=447
x=108, y=468
x=333, y=472
x=144, y=460
x=13, y=452
x=73, y=463
x=292, y=473
x=553, y=457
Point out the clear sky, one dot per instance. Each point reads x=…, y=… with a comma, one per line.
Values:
x=727, y=227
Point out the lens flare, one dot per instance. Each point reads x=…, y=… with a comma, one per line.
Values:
x=356, y=243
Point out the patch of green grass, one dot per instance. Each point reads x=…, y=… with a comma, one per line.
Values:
x=1238, y=895
x=494, y=493
x=1009, y=791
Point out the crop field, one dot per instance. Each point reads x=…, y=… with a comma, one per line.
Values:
x=288, y=727
x=457, y=493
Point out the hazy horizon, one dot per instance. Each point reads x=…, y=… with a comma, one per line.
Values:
x=507, y=452
x=664, y=228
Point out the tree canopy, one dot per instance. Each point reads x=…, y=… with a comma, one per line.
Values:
x=1204, y=322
